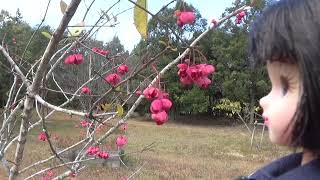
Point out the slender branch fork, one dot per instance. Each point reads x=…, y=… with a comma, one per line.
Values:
x=34, y=84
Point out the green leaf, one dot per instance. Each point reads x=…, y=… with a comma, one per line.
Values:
x=141, y=18
x=63, y=6
x=46, y=34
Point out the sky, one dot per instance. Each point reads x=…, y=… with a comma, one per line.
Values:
x=33, y=12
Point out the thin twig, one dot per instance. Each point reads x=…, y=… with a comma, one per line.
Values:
x=45, y=130
x=52, y=157
x=67, y=111
x=57, y=166
x=43, y=19
x=136, y=172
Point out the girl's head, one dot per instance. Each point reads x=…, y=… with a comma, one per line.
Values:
x=286, y=37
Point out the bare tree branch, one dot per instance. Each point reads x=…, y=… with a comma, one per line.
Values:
x=35, y=86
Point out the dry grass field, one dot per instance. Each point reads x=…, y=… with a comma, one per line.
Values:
x=179, y=150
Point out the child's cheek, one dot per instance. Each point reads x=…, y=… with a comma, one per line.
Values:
x=280, y=115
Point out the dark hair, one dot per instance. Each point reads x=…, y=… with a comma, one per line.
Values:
x=289, y=31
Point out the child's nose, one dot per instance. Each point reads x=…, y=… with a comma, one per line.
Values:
x=264, y=102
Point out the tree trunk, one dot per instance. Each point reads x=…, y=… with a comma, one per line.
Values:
x=25, y=117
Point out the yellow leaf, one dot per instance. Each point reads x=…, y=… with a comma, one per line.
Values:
x=76, y=31
x=118, y=88
x=120, y=110
x=163, y=43
x=173, y=49
x=46, y=34
x=63, y=6
x=106, y=107
x=141, y=18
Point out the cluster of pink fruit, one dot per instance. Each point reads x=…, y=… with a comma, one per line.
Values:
x=48, y=175
x=160, y=104
x=114, y=78
x=239, y=17
x=84, y=123
x=74, y=59
x=197, y=74
x=85, y=90
x=100, y=51
x=95, y=151
x=42, y=136
x=184, y=17
x=77, y=58
x=121, y=141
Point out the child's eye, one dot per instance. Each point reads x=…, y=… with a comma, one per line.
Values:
x=284, y=85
